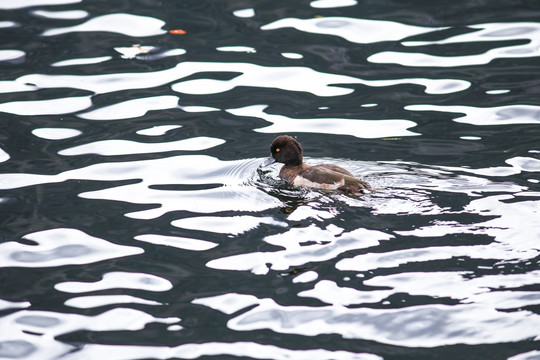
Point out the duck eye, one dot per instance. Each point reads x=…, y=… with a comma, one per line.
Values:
x=278, y=149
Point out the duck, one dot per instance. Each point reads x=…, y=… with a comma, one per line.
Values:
x=285, y=149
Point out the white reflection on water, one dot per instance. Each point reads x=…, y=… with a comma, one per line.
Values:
x=57, y=247
x=183, y=169
x=530, y=355
x=128, y=147
x=19, y=4
x=8, y=86
x=93, y=301
x=394, y=259
x=328, y=292
x=366, y=129
x=433, y=86
x=25, y=326
x=47, y=107
x=4, y=305
x=157, y=130
x=524, y=163
x=513, y=241
x=285, y=78
x=517, y=164
x=486, y=290
x=177, y=242
x=237, y=194
x=500, y=115
x=56, y=133
x=442, y=178
x=117, y=280
x=196, y=109
x=227, y=198
x=126, y=24
x=487, y=32
x=308, y=80
x=294, y=78
x=250, y=350
x=290, y=55
x=82, y=61
x=147, y=52
x=12, y=55
x=244, y=13
x=305, y=277
x=8, y=24
x=225, y=225
x=61, y=15
x=511, y=238
x=360, y=31
x=325, y=4
x=328, y=245
x=228, y=303
x=4, y=156
x=497, y=92
x=246, y=49
x=132, y=108
x=415, y=326
x=131, y=52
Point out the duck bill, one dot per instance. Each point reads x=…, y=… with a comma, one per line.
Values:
x=269, y=161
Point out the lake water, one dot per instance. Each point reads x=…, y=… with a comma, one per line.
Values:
x=137, y=222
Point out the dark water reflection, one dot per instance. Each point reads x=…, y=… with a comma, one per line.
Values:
x=137, y=221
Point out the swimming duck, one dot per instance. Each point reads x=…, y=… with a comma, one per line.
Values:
x=287, y=150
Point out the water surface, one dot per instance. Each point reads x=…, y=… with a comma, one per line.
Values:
x=138, y=223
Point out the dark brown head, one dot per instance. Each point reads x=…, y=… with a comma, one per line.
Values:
x=286, y=150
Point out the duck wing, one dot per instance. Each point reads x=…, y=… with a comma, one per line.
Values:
x=351, y=184
x=333, y=168
x=331, y=177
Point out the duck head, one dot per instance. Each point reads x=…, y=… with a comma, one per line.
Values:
x=286, y=150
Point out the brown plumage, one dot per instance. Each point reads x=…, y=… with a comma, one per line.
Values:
x=287, y=150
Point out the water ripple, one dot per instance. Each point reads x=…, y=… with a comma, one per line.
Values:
x=131, y=108
x=296, y=254
x=24, y=325
x=237, y=195
x=418, y=326
x=93, y=301
x=177, y=242
x=125, y=147
x=64, y=105
x=360, y=31
x=117, y=280
x=500, y=32
x=500, y=115
x=366, y=129
x=63, y=15
x=193, y=351
x=58, y=247
x=286, y=78
x=139, y=223
x=56, y=133
x=126, y=24
x=19, y=4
